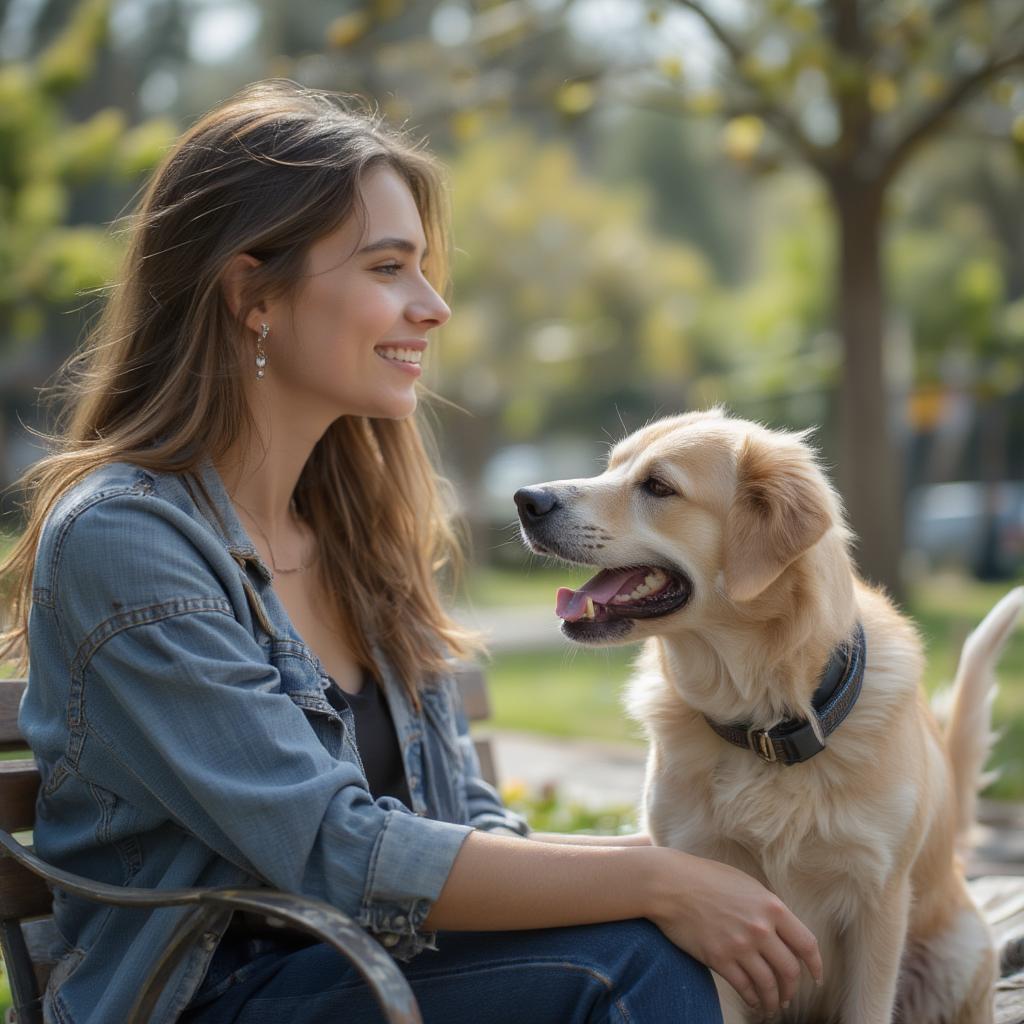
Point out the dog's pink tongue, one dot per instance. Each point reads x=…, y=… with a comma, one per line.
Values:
x=572, y=604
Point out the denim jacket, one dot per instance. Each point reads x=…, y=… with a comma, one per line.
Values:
x=183, y=738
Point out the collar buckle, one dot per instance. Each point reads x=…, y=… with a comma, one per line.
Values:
x=760, y=743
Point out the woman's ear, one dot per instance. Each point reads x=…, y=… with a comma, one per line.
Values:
x=780, y=509
x=234, y=282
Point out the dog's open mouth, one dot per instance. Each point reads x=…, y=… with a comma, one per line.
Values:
x=633, y=592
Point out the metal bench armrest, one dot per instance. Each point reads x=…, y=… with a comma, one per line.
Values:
x=213, y=904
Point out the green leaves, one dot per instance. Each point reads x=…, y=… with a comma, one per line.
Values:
x=44, y=159
x=71, y=58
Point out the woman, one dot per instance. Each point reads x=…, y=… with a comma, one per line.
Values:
x=239, y=657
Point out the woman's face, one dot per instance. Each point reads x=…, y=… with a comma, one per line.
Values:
x=350, y=340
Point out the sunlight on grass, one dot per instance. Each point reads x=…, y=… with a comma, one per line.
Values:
x=562, y=693
x=535, y=584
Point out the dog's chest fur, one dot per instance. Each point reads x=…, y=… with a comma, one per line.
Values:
x=823, y=856
x=783, y=819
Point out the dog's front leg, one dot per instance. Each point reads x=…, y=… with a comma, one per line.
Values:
x=874, y=949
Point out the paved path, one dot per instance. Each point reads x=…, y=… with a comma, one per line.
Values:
x=590, y=772
x=516, y=629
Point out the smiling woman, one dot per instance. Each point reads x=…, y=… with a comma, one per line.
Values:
x=241, y=662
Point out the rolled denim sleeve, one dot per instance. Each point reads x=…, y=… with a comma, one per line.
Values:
x=175, y=707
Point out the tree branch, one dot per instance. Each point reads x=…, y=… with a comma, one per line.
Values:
x=718, y=30
x=781, y=120
x=941, y=110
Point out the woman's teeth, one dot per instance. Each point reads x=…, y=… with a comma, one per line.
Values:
x=401, y=355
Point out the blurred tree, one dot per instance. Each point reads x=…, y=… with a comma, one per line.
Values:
x=695, y=197
x=958, y=270
x=45, y=157
x=65, y=162
x=767, y=347
x=853, y=90
x=569, y=302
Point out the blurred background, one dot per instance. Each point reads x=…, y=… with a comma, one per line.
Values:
x=808, y=210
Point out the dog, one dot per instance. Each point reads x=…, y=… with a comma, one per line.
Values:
x=789, y=734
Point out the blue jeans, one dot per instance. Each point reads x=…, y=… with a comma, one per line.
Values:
x=625, y=972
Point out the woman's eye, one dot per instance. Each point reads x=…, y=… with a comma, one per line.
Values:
x=389, y=268
x=652, y=485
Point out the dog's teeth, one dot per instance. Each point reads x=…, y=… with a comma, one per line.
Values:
x=590, y=608
x=654, y=581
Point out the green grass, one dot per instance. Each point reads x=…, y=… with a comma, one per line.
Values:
x=570, y=693
x=535, y=585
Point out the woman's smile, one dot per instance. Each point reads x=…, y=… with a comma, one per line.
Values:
x=406, y=356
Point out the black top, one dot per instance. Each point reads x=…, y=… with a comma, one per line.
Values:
x=375, y=738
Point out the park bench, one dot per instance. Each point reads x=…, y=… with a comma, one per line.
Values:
x=26, y=924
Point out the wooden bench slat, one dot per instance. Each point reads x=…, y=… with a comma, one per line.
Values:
x=22, y=893
x=19, y=784
x=10, y=697
x=473, y=688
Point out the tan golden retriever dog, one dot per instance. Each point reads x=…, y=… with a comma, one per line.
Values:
x=723, y=546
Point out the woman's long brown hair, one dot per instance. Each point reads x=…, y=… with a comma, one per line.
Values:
x=268, y=172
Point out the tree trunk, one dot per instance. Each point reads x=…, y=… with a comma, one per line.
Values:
x=869, y=465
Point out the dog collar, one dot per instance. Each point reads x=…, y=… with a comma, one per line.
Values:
x=793, y=741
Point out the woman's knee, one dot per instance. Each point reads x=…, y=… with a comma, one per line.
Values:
x=648, y=971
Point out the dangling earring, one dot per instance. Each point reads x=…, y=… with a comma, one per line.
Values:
x=261, y=356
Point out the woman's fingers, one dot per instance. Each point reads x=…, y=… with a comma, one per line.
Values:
x=761, y=973
x=772, y=967
x=785, y=967
x=798, y=937
x=740, y=980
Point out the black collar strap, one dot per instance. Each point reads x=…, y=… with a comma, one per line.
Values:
x=793, y=741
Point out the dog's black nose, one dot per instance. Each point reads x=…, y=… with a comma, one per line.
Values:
x=534, y=502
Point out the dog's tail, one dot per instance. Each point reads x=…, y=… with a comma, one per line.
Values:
x=969, y=737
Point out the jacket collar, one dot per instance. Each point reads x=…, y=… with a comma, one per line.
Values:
x=225, y=520
x=795, y=741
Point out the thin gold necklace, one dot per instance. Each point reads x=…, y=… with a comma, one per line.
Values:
x=280, y=572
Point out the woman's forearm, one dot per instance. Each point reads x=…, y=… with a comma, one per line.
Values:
x=576, y=839
x=721, y=916
x=501, y=883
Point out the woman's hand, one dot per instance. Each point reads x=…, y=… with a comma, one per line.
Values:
x=732, y=923
x=714, y=912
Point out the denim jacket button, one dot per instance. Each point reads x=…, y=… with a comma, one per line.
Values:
x=390, y=940
x=399, y=921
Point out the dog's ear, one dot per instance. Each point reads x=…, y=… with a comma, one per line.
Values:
x=781, y=508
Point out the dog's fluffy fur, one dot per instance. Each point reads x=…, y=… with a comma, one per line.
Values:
x=864, y=841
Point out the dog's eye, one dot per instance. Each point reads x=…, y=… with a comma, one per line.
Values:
x=652, y=485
